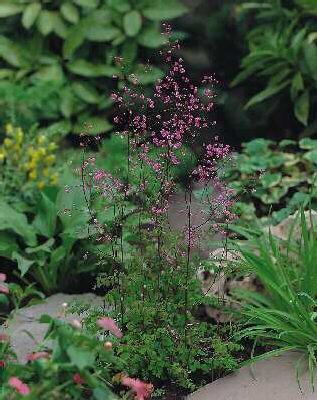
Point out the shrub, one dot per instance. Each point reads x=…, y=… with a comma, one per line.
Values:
x=282, y=56
x=75, y=46
x=273, y=178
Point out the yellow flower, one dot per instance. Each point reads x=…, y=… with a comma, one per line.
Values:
x=19, y=135
x=9, y=129
x=52, y=146
x=46, y=172
x=49, y=160
x=2, y=156
x=41, y=151
x=41, y=184
x=41, y=139
x=54, y=179
x=33, y=175
x=7, y=142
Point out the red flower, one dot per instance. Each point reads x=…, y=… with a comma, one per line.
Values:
x=108, y=324
x=78, y=379
x=3, y=277
x=19, y=386
x=37, y=355
x=2, y=364
x=141, y=389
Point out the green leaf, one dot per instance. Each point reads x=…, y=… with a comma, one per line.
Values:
x=103, y=394
x=60, y=27
x=301, y=108
x=45, y=22
x=87, y=3
x=132, y=22
x=146, y=75
x=57, y=130
x=7, y=9
x=164, y=10
x=11, y=52
x=311, y=156
x=93, y=126
x=150, y=37
x=86, y=92
x=16, y=222
x=30, y=14
x=308, y=144
x=46, y=247
x=70, y=12
x=6, y=73
x=75, y=38
x=45, y=220
x=310, y=52
x=269, y=180
x=49, y=73
x=90, y=70
x=297, y=85
x=121, y=6
x=81, y=358
x=97, y=33
x=23, y=263
x=266, y=93
x=8, y=244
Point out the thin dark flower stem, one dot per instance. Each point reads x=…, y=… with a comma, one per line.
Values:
x=189, y=227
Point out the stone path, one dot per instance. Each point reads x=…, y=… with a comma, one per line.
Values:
x=26, y=332
x=272, y=379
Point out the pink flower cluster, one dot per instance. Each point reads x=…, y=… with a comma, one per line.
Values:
x=19, y=386
x=3, y=287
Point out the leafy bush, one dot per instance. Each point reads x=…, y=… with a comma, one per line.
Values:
x=282, y=56
x=78, y=366
x=274, y=177
x=284, y=315
x=76, y=45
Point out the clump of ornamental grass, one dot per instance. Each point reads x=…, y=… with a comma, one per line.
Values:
x=153, y=287
x=283, y=316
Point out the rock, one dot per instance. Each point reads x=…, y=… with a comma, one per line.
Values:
x=283, y=229
x=26, y=333
x=274, y=378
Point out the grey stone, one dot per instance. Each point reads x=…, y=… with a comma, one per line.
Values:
x=27, y=333
x=274, y=378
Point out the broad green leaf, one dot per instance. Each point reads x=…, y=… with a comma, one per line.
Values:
x=7, y=8
x=49, y=73
x=60, y=27
x=81, y=358
x=70, y=12
x=308, y=144
x=11, y=52
x=45, y=22
x=269, y=180
x=257, y=146
x=97, y=33
x=87, y=3
x=311, y=156
x=310, y=51
x=46, y=247
x=274, y=195
x=10, y=219
x=30, y=14
x=266, y=93
x=75, y=38
x=164, y=10
x=8, y=244
x=151, y=37
x=67, y=104
x=301, y=108
x=90, y=70
x=122, y=6
x=103, y=394
x=45, y=220
x=129, y=51
x=132, y=22
x=93, y=126
x=6, y=73
x=86, y=92
x=57, y=130
x=23, y=263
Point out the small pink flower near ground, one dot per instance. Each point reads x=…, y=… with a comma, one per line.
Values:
x=4, y=337
x=19, y=386
x=37, y=355
x=78, y=379
x=3, y=277
x=108, y=324
x=142, y=390
x=4, y=289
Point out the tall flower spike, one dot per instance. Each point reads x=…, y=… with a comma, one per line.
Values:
x=108, y=324
x=19, y=386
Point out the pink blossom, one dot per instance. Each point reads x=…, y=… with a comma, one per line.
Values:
x=4, y=289
x=4, y=337
x=19, y=386
x=141, y=389
x=37, y=355
x=109, y=324
x=3, y=277
x=78, y=379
